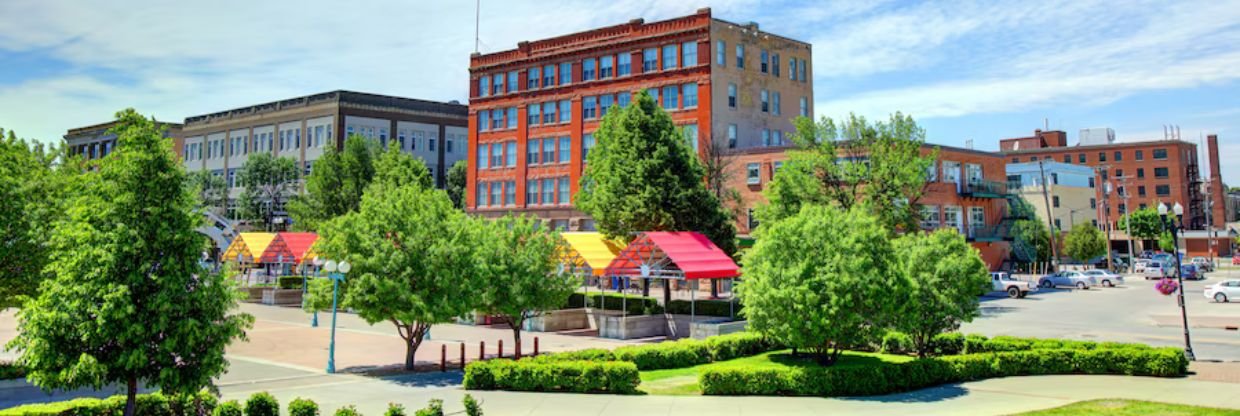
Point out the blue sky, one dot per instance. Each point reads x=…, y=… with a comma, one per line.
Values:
x=966, y=70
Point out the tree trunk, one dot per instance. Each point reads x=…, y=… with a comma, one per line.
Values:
x=413, y=339
x=131, y=396
x=667, y=293
x=516, y=337
x=646, y=287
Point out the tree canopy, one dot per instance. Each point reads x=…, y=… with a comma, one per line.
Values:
x=1084, y=242
x=268, y=183
x=945, y=277
x=32, y=194
x=854, y=162
x=456, y=183
x=129, y=302
x=1031, y=240
x=211, y=190
x=1144, y=224
x=836, y=298
x=643, y=176
x=335, y=184
x=517, y=258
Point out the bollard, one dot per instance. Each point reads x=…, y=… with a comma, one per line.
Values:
x=482, y=350
x=500, y=354
x=443, y=357
x=535, y=346
x=462, y=355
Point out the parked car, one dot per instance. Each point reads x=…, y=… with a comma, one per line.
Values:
x=1157, y=270
x=1203, y=264
x=1139, y=266
x=1004, y=282
x=1235, y=260
x=1224, y=291
x=1146, y=254
x=1190, y=272
x=1069, y=278
x=1107, y=278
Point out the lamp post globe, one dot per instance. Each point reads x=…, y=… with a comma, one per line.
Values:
x=1162, y=210
x=330, y=266
x=1178, y=209
x=344, y=266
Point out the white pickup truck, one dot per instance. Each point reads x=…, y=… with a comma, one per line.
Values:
x=1003, y=282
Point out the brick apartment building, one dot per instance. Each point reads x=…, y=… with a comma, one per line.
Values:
x=966, y=190
x=533, y=109
x=95, y=142
x=303, y=127
x=1140, y=174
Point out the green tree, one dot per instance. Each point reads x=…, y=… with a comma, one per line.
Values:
x=840, y=296
x=1166, y=242
x=1031, y=240
x=945, y=276
x=32, y=195
x=412, y=257
x=335, y=185
x=395, y=168
x=129, y=302
x=1084, y=242
x=211, y=190
x=268, y=183
x=1145, y=223
x=854, y=162
x=517, y=258
x=456, y=183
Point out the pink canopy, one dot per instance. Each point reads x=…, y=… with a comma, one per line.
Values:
x=673, y=255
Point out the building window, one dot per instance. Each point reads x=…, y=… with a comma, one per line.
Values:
x=688, y=54
x=654, y=94
x=484, y=86
x=669, y=97
x=753, y=174
x=563, y=184
x=548, y=191
x=669, y=57
x=691, y=135
x=1067, y=158
x=691, y=95
x=1140, y=173
x=1123, y=208
x=499, y=84
x=1119, y=156
x=531, y=151
x=622, y=99
x=1057, y=225
x=624, y=64
x=566, y=110
x=604, y=102
x=1080, y=158
x=548, y=150
x=483, y=155
x=510, y=193
x=512, y=81
x=751, y=219
x=804, y=107
x=1161, y=173
x=1102, y=156
x=1055, y=201
x=566, y=149
x=510, y=154
x=481, y=197
x=605, y=67
x=792, y=69
x=1055, y=178
x=548, y=112
x=766, y=137
x=587, y=143
x=532, y=78
x=512, y=117
x=1119, y=173
x=1091, y=182
x=1162, y=190
x=732, y=95
x=566, y=73
x=531, y=192
x=497, y=119
x=740, y=56
x=929, y=217
x=650, y=59
x=588, y=109
x=1139, y=155
x=720, y=53
x=731, y=136
x=766, y=101
x=951, y=217
x=1093, y=203
x=587, y=70
x=548, y=76
x=532, y=114
x=775, y=65
x=763, y=58
x=804, y=67
x=776, y=104
x=1141, y=190
x=497, y=155
x=497, y=189
x=1160, y=154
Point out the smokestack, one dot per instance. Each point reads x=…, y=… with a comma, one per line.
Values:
x=1218, y=214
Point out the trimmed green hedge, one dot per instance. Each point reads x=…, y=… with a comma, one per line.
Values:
x=675, y=354
x=636, y=305
x=543, y=375
x=10, y=370
x=955, y=343
x=921, y=373
x=147, y=404
x=289, y=282
x=703, y=308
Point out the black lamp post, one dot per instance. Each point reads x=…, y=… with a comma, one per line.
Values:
x=1172, y=225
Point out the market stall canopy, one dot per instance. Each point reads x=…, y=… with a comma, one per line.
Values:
x=289, y=248
x=673, y=255
x=589, y=252
x=248, y=246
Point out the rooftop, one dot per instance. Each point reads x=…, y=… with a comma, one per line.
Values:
x=337, y=96
x=1102, y=146
x=97, y=128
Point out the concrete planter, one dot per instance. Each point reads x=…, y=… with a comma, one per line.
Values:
x=704, y=329
x=617, y=326
x=281, y=297
x=560, y=320
x=254, y=294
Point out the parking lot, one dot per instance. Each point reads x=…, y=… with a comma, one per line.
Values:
x=1133, y=312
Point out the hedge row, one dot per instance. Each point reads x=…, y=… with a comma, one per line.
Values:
x=154, y=404
x=705, y=308
x=635, y=305
x=289, y=282
x=921, y=373
x=10, y=370
x=543, y=375
x=675, y=354
x=954, y=343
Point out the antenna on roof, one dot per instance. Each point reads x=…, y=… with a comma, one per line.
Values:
x=477, y=19
x=968, y=144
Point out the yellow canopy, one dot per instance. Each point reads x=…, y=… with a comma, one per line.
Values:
x=589, y=250
x=250, y=246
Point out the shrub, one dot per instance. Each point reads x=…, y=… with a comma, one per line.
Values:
x=895, y=342
x=673, y=354
x=155, y=404
x=349, y=410
x=228, y=408
x=262, y=404
x=737, y=345
x=395, y=409
x=10, y=370
x=892, y=378
x=434, y=408
x=705, y=308
x=303, y=407
x=472, y=408
x=592, y=354
x=289, y=282
x=562, y=376
x=636, y=305
x=973, y=343
x=951, y=343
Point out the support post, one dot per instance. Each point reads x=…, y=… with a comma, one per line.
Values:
x=482, y=350
x=462, y=355
x=500, y=354
x=443, y=358
x=535, y=346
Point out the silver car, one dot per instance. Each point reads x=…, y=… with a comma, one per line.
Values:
x=1158, y=270
x=1107, y=278
x=1068, y=278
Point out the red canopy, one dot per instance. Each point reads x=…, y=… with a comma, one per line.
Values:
x=673, y=255
x=291, y=247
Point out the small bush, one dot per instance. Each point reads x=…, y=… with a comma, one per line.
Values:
x=951, y=343
x=592, y=354
x=349, y=410
x=303, y=407
x=561, y=376
x=10, y=370
x=897, y=343
x=675, y=354
x=228, y=408
x=434, y=408
x=973, y=343
x=262, y=404
x=472, y=408
x=155, y=404
x=290, y=282
x=737, y=345
x=672, y=354
x=395, y=409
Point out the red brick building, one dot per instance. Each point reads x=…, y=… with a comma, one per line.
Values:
x=966, y=191
x=533, y=109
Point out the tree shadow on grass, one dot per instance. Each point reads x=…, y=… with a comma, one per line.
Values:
x=931, y=394
x=846, y=359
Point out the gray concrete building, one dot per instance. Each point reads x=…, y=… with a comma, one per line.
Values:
x=95, y=142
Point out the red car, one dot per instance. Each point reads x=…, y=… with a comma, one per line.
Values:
x=1235, y=260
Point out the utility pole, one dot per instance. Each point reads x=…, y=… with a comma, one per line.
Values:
x=1050, y=218
x=1132, y=255
x=1107, y=204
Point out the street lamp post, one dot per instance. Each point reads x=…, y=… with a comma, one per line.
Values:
x=336, y=272
x=1172, y=225
x=318, y=272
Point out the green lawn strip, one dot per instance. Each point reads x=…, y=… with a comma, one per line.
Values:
x=1121, y=407
x=683, y=381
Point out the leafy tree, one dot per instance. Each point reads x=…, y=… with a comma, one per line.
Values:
x=1145, y=223
x=129, y=302
x=945, y=276
x=1031, y=240
x=854, y=162
x=643, y=176
x=719, y=171
x=32, y=195
x=335, y=185
x=825, y=302
x=517, y=259
x=211, y=190
x=395, y=168
x=268, y=183
x=412, y=257
x=1084, y=242
x=1166, y=242
x=456, y=183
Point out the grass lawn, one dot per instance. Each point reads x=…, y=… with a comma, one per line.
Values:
x=1119, y=407
x=683, y=381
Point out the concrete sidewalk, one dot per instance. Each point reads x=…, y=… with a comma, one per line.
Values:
x=988, y=397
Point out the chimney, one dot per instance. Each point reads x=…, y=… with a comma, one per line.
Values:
x=1218, y=214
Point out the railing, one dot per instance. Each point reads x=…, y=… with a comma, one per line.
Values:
x=984, y=188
